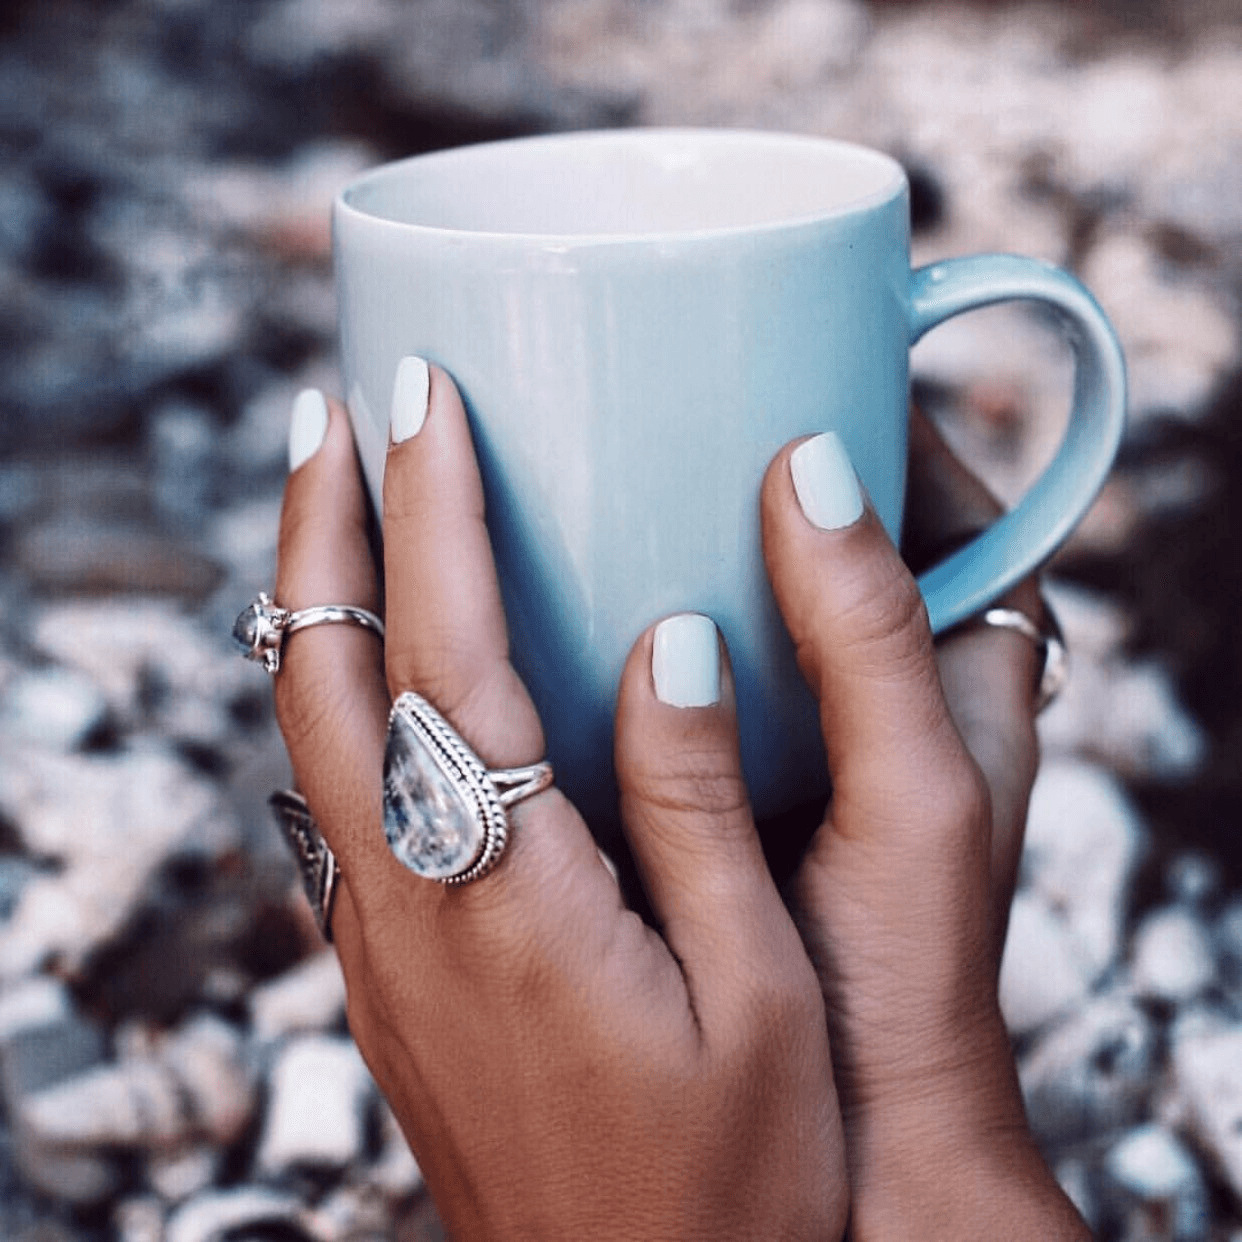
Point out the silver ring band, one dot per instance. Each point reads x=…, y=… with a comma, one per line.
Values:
x=444, y=812
x=1049, y=640
x=262, y=626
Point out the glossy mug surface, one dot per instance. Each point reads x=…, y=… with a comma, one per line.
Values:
x=638, y=320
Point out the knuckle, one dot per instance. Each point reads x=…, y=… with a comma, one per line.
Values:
x=698, y=779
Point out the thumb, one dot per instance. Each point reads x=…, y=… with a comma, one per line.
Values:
x=858, y=623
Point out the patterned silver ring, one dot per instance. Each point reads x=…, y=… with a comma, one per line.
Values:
x=261, y=627
x=316, y=862
x=444, y=812
x=1048, y=639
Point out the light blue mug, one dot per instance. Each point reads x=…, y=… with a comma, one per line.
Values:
x=638, y=320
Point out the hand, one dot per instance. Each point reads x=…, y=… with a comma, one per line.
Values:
x=904, y=893
x=560, y=1069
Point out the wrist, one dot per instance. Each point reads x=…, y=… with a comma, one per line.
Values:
x=944, y=1188
x=951, y=1156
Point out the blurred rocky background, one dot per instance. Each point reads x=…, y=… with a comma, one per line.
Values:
x=173, y=1056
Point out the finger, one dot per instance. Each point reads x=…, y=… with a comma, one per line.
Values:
x=989, y=674
x=447, y=636
x=447, y=640
x=687, y=818
x=330, y=695
x=863, y=643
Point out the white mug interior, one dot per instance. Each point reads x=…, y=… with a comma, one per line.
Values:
x=628, y=183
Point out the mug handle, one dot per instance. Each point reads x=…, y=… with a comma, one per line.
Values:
x=1027, y=535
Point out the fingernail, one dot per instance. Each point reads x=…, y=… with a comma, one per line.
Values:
x=308, y=424
x=410, y=391
x=685, y=661
x=825, y=482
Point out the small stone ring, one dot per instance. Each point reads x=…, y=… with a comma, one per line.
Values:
x=1048, y=640
x=261, y=627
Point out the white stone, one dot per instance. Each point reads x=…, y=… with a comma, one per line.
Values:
x=1152, y=1163
x=1091, y=1073
x=396, y=1173
x=1119, y=711
x=133, y=1103
x=54, y=707
x=32, y=1003
x=1172, y=955
x=209, y=1060
x=310, y=997
x=119, y=644
x=195, y=1084
x=111, y=820
x=1083, y=841
x=209, y=1217
x=1207, y=1070
x=318, y=1094
x=139, y=1219
x=1042, y=972
x=177, y=1174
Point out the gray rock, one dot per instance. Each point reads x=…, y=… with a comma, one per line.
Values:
x=395, y=1173
x=310, y=997
x=53, y=707
x=178, y=1174
x=1083, y=841
x=195, y=1085
x=212, y=1216
x=319, y=1092
x=1043, y=974
x=43, y=1042
x=1172, y=955
x=1152, y=1163
x=1092, y=1073
x=111, y=820
x=139, y=1219
x=1207, y=1071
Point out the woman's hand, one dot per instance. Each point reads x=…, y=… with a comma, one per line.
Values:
x=904, y=894
x=560, y=1069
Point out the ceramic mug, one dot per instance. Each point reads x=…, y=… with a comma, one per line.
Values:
x=638, y=320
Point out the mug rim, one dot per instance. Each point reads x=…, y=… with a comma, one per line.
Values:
x=896, y=184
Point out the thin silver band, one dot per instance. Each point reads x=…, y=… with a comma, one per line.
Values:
x=325, y=614
x=514, y=784
x=1049, y=640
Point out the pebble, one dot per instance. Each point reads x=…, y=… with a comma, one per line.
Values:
x=1043, y=975
x=215, y=1215
x=139, y=1219
x=395, y=1173
x=53, y=707
x=1083, y=841
x=1206, y=1071
x=195, y=1086
x=178, y=1174
x=111, y=820
x=1152, y=1163
x=310, y=997
x=1090, y=1073
x=1172, y=957
x=319, y=1092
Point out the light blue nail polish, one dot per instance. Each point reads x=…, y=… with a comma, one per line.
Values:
x=308, y=424
x=825, y=482
x=410, y=392
x=685, y=661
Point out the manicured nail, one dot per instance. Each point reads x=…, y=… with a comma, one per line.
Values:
x=308, y=424
x=825, y=482
x=410, y=391
x=685, y=661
